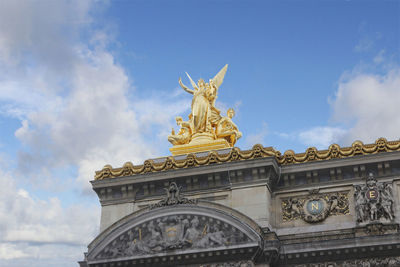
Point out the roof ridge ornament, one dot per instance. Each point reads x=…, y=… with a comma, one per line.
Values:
x=289, y=157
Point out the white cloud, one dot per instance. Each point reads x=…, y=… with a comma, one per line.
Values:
x=364, y=44
x=45, y=29
x=11, y=251
x=258, y=137
x=26, y=221
x=369, y=103
x=380, y=57
x=321, y=137
x=81, y=115
x=25, y=254
x=73, y=102
x=366, y=108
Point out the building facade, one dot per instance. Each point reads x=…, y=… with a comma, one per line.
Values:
x=334, y=207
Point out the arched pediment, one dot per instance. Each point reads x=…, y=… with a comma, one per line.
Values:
x=186, y=229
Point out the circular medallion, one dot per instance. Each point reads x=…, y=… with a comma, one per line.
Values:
x=372, y=194
x=315, y=206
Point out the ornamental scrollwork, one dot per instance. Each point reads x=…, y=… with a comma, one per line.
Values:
x=258, y=151
x=374, y=201
x=315, y=207
x=173, y=197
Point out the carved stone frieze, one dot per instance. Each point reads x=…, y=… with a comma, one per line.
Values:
x=374, y=201
x=168, y=233
x=315, y=207
x=378, y=229
x=232, y=264
x=173, y=197
x=370, y=262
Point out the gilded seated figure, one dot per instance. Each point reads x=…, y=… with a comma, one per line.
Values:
x=184, y=134
x=227, y=129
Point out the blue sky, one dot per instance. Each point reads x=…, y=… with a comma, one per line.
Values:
x=89, y=83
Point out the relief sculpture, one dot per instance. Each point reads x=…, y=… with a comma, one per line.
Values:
x=369, y=262
x=173, y=197
x=231, y=264
x=184, y=231
x=374, y=201
x=315, y=207
x=172, y=232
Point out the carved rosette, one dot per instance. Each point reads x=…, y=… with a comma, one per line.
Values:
x=315, y=207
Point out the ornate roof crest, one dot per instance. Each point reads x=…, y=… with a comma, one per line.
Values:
x=173, y=197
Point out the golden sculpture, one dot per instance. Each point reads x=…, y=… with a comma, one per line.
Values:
x=184, y=135
x=206, y=129
x=227, y=129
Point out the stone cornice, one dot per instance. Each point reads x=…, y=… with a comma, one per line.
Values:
x=258, y=151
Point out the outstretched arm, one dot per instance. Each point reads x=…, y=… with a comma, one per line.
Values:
x=185, y=88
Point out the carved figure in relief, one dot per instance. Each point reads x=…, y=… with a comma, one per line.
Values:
x=367, y=262
x=227, y=129
x=373, y=211
x=374, y=201
x=293, y=207
x=173, y=232
x=173, y=197
x=333, y=203
x=386, y=201
x=192, y=234
x=217, y=236
x=154, y=242
x=133, y=247
x=214, y=238
x=360, y=203
x=173, y=193
x=184, y=134
x=315, y=207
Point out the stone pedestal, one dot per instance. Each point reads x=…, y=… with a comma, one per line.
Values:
x=200, y=142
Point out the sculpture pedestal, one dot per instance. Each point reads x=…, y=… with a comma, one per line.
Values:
x=201, y=142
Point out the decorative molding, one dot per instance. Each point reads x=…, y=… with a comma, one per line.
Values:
x=258, y=151
x=315, y=207
x=380, y=229
x=230, y=264
x=369, y=262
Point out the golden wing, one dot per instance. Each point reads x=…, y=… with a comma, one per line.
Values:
x=219, y=78
x=191, y=81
